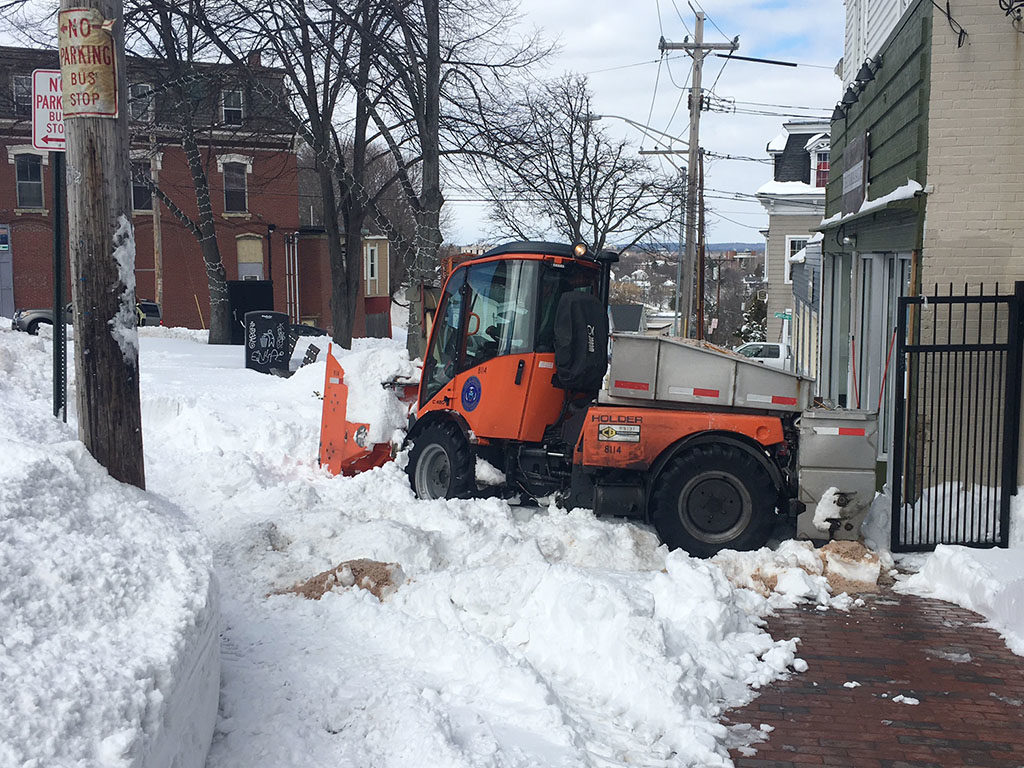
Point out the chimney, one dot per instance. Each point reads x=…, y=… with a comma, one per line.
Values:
x=254, y=60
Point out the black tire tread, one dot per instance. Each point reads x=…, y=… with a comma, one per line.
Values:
x=713, y=456
x=447, y=433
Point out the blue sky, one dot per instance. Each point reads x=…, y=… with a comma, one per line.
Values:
x=603, y=37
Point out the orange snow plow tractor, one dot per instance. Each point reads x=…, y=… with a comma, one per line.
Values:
x=707, y=446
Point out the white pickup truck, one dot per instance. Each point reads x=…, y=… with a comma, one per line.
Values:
x=774, y=355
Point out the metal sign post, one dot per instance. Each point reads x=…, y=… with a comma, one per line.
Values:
x=48, y=134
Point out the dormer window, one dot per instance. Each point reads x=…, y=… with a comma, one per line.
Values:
x=819, y=168
x=233, y=107
x=818, y=149
x=22, y=87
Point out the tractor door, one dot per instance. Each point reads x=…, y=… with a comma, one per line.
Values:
x=496, y=373
x=440, y=363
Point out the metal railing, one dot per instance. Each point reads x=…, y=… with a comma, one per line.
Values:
x=956, y=418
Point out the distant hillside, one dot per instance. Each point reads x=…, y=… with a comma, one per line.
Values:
x=757, y=247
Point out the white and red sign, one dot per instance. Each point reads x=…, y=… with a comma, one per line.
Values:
x=47, y=111
x=85, y=45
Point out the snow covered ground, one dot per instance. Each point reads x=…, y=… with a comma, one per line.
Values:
x=108, y=611
x=987, y=581
x=519, y=637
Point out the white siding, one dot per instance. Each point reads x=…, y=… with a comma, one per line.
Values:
x=868, y=24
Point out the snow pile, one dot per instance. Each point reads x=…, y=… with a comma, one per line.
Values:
x=374, y=362
x=796, y=572
x=108, y=611
x=987, y=581
x=828, y=509
x=124, y=325
x=519, y=636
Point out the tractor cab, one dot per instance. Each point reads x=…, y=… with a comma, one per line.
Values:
x=491, y=359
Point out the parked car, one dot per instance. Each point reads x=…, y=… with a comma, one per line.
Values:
x=29, y=320
x=772, y=355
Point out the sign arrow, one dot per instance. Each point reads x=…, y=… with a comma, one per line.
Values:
x=51, y=140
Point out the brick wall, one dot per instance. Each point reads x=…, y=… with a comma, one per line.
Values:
x=272, y=196
x=973, y=226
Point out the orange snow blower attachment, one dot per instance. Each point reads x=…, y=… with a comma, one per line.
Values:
x=344, y=445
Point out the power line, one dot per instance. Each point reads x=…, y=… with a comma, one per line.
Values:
x=636, y=64
x=709, y=19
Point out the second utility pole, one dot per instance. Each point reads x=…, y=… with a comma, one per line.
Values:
x=698, y=49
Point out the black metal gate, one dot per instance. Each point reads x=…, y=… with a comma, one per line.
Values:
x=956, y=416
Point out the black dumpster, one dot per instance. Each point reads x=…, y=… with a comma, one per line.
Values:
x=267, y=343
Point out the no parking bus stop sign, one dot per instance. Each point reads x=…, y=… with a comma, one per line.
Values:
x=47, y=111
x=89, y=66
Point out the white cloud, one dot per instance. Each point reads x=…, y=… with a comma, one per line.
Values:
x=602, y=35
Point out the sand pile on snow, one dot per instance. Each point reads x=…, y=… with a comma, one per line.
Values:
x=379, y=579
x=797, y=572
x=850, y=567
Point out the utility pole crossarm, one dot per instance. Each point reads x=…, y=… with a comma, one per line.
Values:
x=665, y=45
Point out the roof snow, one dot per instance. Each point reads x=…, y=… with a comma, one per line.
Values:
x=778, y=143
x=904, y=192
x=814, y=140
x=787, y=188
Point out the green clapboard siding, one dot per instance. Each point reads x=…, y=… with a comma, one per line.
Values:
x=893, y=110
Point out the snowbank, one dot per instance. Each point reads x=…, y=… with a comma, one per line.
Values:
x=520, y=636
x=987, y=581
x=108, y=609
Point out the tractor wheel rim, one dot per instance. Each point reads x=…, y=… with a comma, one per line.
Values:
x=433, y=473
x=714, y=507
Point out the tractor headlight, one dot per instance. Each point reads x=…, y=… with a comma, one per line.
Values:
x=361, y=437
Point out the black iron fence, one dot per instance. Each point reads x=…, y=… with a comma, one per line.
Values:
x=956, y=417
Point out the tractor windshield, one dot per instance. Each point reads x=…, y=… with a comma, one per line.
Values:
x=496, y=308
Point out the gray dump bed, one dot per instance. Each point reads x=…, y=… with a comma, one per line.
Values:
x=658, y=368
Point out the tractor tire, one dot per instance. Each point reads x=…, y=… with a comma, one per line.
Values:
x=440, y=463
x=712, y=497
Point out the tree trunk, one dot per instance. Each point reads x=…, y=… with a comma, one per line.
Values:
x=341, y=316
x=102, y=249
x=428, y=218
x=216, y=276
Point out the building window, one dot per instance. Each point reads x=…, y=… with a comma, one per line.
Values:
x=29, y=170
x=821, y=169
x=22, y=85
x=140, y=102
x=142, y=197
x=793, y=246
x=371, y=262
x=232, y=107
x=234, y=188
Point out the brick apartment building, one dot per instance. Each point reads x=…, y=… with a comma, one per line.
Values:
x=250, y=158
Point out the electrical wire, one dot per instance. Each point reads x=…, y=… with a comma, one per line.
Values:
x=681, y=18
x=636, y=64
x=708, y=17
x=654, y=96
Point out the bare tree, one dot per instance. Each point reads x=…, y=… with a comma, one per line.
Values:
x=551, y=168
x=186, y=95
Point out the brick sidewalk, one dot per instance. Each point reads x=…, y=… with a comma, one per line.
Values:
x=970, y=688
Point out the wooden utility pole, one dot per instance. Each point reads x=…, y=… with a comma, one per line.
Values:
x=102, y=244
x=698, y=49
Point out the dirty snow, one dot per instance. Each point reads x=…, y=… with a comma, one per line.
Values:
x=520, y=636
x=123, y=326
